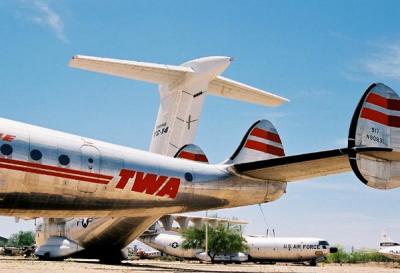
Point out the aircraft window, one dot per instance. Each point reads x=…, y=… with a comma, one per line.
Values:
x=6, y=149
x=36, y=154
x=323, y=243
x=90, y=160
x=188, y=177
x=63, y=159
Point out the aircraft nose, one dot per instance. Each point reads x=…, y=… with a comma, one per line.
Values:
x=333, y=250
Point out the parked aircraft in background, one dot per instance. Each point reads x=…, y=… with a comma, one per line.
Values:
x=288, y=249
x=260, y=248
x=389, y=248
x=47, y=173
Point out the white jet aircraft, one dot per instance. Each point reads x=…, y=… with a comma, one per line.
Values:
x=47, y=173
x=389, y=248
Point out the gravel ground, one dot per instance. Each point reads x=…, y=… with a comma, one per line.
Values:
x=18, y=265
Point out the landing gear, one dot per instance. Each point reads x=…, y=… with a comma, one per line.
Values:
x=110, y=260
x=111, y=257
x=313, y=262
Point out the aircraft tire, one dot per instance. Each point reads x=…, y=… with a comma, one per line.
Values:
x=313, y=262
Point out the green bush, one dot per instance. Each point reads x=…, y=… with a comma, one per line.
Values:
x=22, y=238
x=341, y=256
x=221, y=239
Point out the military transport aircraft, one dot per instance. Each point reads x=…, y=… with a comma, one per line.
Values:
x=47, y=173
x=260, y=248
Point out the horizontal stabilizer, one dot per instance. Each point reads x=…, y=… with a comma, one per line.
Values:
x=224, y=87
x=304, y=166
x=148, y=72
x=297, y=167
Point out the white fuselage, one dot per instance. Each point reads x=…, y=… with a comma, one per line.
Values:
x=391, y=252
x=286, y=248
x=259, y=248
x=48, y=173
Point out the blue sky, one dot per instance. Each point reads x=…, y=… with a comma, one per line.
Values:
x=320, y=55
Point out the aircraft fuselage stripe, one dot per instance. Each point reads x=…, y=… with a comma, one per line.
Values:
x=54, y=168
x=53, y=173
x=376, y=116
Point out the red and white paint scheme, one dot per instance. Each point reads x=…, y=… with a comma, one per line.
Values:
x=100, y=196
x=261, y=142
x=192, y=152
x=182, y=91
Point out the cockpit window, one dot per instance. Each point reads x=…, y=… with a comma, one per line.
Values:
x=323, y=243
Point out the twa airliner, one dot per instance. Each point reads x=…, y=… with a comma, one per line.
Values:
x=97, y=197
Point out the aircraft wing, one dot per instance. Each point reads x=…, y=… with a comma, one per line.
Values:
x=305, y=166
x=224, y=87
x=148, y=72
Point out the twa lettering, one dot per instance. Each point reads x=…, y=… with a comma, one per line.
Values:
x=149, y=183
x=6, y=137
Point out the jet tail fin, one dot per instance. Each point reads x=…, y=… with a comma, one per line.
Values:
x=182, y=92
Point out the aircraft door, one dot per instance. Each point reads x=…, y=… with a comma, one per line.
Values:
x=90, y=162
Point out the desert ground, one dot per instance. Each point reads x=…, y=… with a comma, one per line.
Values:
x=17, y=265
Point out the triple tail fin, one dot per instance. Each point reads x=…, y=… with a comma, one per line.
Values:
x=261, y=142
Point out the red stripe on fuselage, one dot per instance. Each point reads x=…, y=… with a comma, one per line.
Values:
x=54, y=168
x=51, y=173
x=262, y=147
x=391, y=104
x=370, y=114
x=258, y=132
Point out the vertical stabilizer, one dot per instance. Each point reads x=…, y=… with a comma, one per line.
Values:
x=182, y=92
x=181, y=105
x=261, y=142
x=386, y=241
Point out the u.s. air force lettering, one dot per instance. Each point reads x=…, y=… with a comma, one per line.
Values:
x=303, y=246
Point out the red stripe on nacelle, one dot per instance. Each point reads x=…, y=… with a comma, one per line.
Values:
x=262, y=147
x=391, y=104
x=370, y=114
x=258, y=132
x=192, y=156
